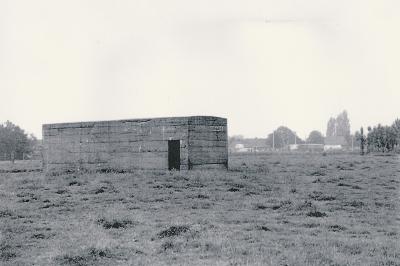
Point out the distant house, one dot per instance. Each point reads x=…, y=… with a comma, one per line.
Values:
x=293, y=147
x=248, y=145
x=335, y=143
x=333, y=147
x=310, y=147
x=306, y=147
x=241, y=148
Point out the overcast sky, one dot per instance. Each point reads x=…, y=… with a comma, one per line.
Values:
x=261, y=64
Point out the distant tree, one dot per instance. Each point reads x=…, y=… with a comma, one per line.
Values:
x=282, y=137
x=343, y=126
x=390, y=138
x=396, y=129
x=361, y=139
x=14, y=142
x=339, y=127
x=369, y=139
x=331, y=127
x=315, y=137
x=34, y=143
x=382, y=138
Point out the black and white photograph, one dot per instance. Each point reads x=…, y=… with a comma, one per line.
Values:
x=213, y=132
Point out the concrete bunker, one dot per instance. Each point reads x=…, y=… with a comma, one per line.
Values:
x=180, y=143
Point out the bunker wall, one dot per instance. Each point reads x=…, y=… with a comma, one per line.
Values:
x=114, y=145
x=208, y=142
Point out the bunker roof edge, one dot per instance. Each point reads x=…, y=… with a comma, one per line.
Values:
x=82, y=123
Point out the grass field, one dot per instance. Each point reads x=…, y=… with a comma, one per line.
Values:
x=270, y=209
x=20, y=166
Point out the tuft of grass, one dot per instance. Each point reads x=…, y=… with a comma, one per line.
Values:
x=39, y=236
x=263, y=228
x=173, y=231
x=318, y=180
x=318, y=172
x=319, y=196
x=317, y=214
x=336, y=228
x=73, y=183
x=168, y=245
x=114, y=223
x=89, y=256
x=7, y=252
x=6, y=213
x=282, y=204
x=311, y=225
x=61, y=191
x=355, y=204
x=100, y=190
x=260, y=206
x=306, y=205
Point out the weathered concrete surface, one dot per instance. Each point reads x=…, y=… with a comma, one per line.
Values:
x=208, y=142
x=135, y=144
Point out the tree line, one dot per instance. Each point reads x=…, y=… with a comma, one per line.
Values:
x=380, y=138
x=338, y=126
x=377, y=139
x=15, y=144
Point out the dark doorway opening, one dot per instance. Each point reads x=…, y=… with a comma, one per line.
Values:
x=174, y=154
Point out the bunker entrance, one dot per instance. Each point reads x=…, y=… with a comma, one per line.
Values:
x=174, y=155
